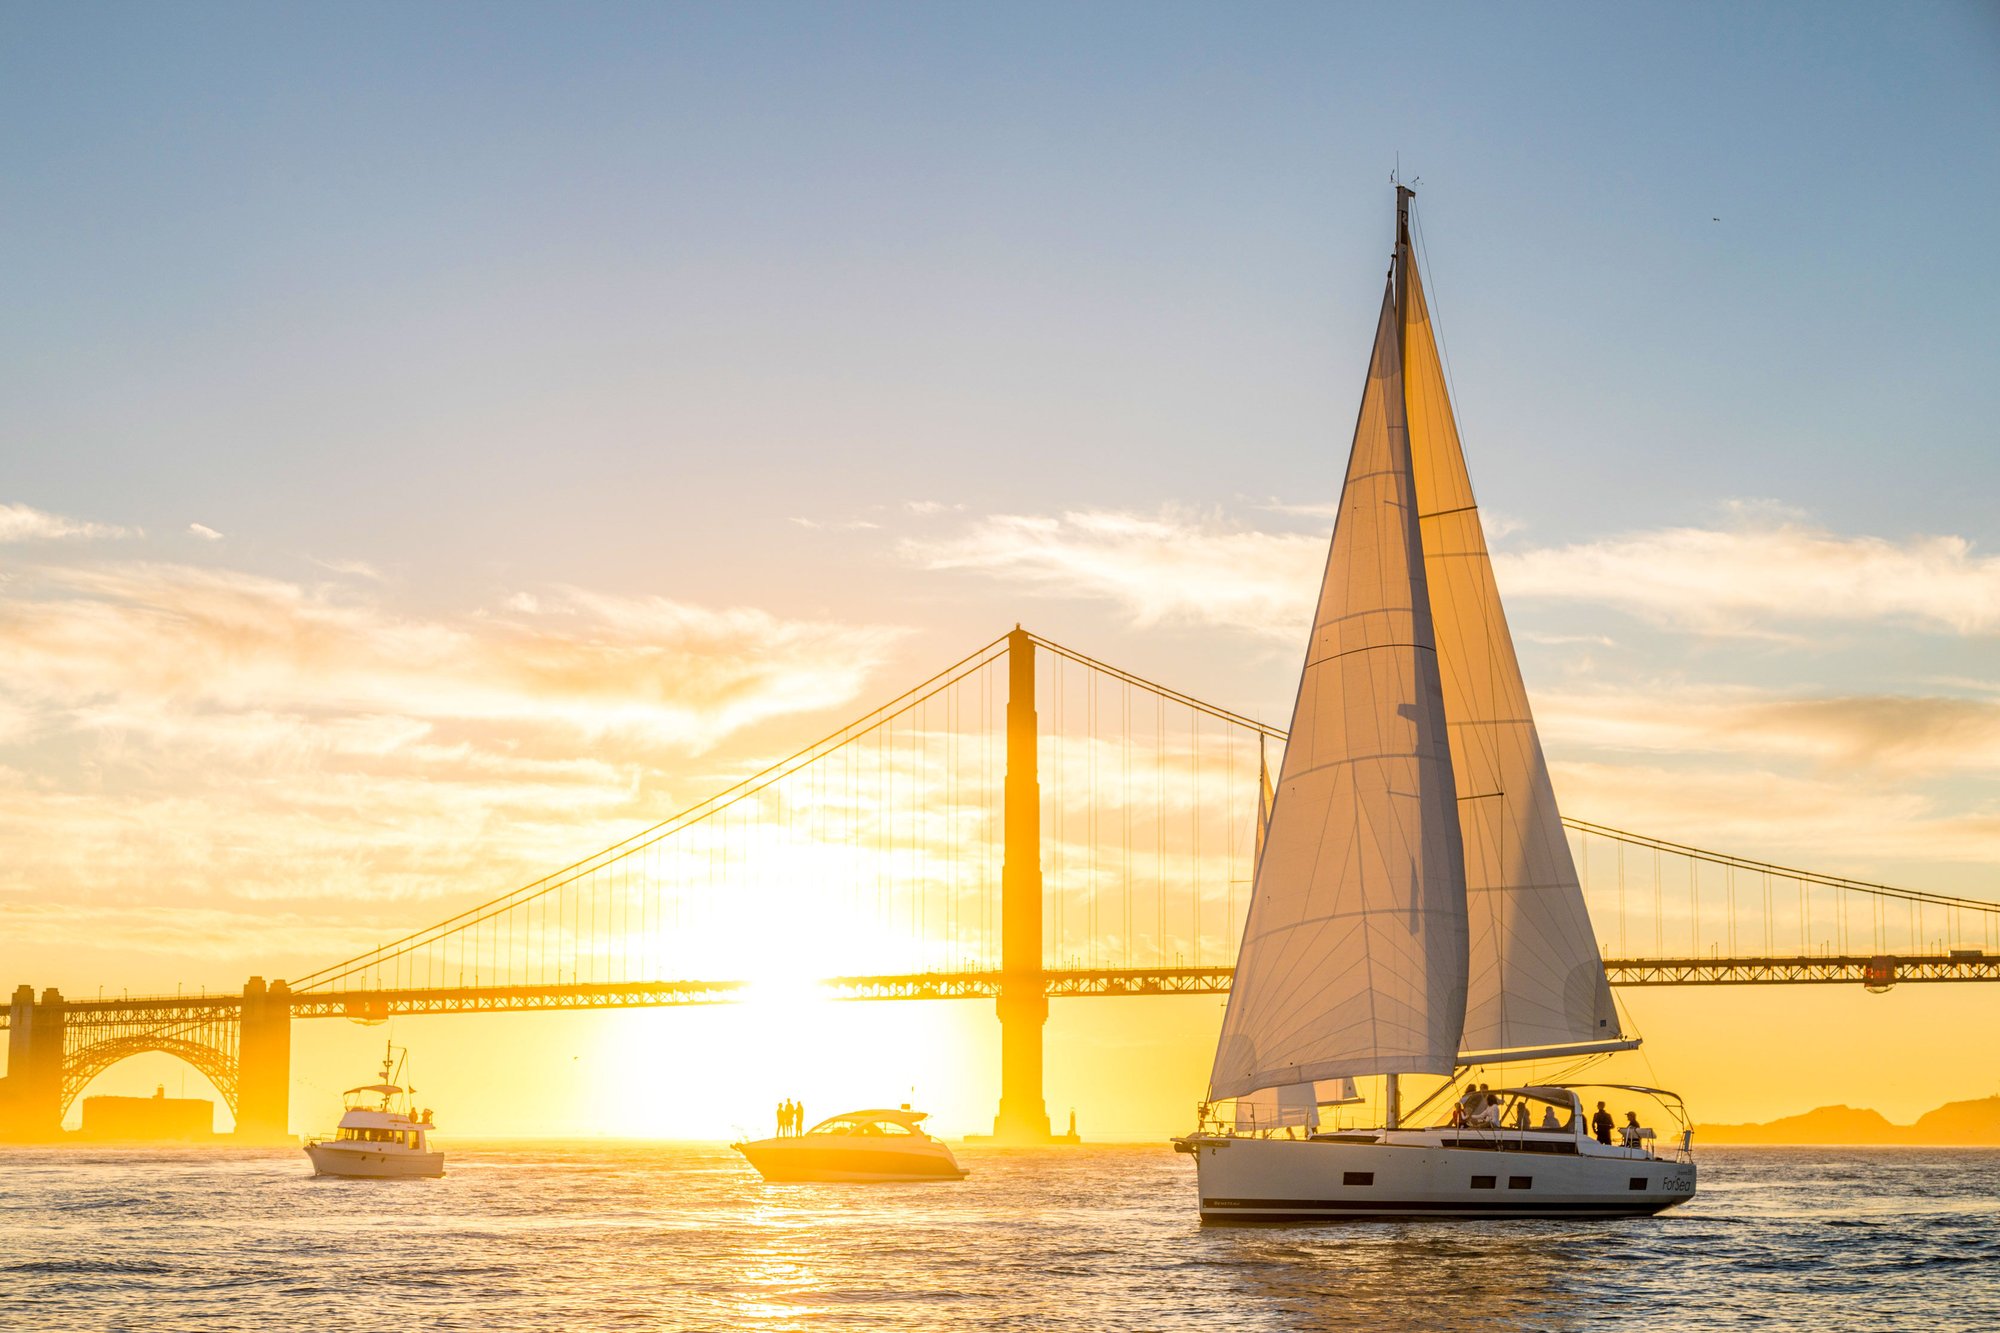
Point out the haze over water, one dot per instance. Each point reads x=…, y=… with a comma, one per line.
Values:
x=684, y=1236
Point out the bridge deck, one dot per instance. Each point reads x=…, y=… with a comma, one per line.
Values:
x=366, y=1005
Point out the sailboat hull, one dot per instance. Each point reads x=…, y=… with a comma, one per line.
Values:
x=1429, y=1173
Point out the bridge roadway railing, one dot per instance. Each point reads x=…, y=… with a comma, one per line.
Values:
x=1875, y=970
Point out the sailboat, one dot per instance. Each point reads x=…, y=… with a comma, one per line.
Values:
x=1415, y=909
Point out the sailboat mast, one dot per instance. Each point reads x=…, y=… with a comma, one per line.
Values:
x=1392, y=1088
x=1403, y=196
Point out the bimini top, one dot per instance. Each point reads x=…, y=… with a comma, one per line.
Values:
x=386, y=1089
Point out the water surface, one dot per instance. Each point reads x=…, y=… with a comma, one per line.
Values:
x=684, y=1236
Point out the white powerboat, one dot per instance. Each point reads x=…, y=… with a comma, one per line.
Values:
x=375, y=1139
x=856, y=1146
x=1415, y=909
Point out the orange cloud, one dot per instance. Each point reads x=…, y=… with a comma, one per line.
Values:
x=243, y=747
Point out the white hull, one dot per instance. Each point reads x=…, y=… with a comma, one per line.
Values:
x=373, y=1161
x=1429, y=1173
x=834, y=1158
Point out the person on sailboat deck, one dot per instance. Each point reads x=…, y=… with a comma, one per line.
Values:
x=1634, y=1133
x=1520, y=1115
x=1601, y=1124
x=1549, y=1118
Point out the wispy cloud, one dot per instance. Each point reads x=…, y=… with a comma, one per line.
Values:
x=205, y=532
x=680, y=674
x=1820, y=821
x=1902, y=735
x=1176, y=566
x=1765, y=570
x=359, y=569
x=23, y=523
x=837, y=525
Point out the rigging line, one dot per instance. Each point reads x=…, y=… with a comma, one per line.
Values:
x=1434, y=308
x=1165, y=692
x=749, y=786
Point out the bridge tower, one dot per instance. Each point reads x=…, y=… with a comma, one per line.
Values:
x=31, y=1110
x=264, y=1070
x=1023, y=1001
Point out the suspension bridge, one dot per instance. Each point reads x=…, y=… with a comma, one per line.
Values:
x=1028, y=823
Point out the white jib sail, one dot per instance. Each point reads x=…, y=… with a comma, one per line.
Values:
x=1353, y=957
x=1536, y=978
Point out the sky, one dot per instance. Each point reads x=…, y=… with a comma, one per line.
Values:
x=437, y=442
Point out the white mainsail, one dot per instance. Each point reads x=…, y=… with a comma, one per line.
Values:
x=1354, y=948
x=1535, y=978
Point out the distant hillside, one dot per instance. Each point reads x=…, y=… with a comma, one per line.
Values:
x=1973, y=1124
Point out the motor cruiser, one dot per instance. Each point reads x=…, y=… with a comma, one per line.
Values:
x=856, y=1146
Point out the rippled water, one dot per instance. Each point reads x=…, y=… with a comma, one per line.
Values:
x=686, y=1237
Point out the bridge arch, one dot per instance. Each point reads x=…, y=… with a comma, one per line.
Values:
x=83, y=1065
